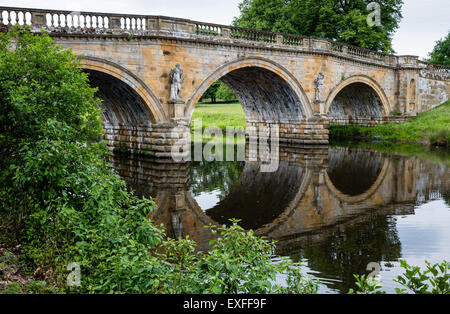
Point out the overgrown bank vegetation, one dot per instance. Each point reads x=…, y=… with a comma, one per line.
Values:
x=431, y=127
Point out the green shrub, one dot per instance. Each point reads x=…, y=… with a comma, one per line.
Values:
x=435, y=279
x=440, y=137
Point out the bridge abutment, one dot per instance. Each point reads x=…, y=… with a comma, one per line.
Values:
x=313, y=131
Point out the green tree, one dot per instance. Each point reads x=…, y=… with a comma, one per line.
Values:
x=211, y=92
x=441, y=51
x=225, y=93
x=342, y=20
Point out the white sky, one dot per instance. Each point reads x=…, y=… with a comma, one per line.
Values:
x=424, y=21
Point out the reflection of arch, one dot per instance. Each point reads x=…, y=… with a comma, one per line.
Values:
x=358, y=198
x=289, y=186
x=153, y=105
x=364, y=80
x=272, y=68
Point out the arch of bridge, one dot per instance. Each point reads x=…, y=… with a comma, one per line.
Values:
x=153, y=106
x=251, y=62
x=360, y=79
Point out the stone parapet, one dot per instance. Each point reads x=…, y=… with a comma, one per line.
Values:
x=108, y=24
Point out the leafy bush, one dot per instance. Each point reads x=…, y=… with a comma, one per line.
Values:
x=435, y=279
x=238, y=262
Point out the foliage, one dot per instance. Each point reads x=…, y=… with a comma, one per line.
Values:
x=441, y=51
x=238, y=262
x=211, y=92
x=434, y=280
x=219, y=91
x=225, y=93
x=431, y=126
x=366, y=286
x=343, y=21
x=213, y=176
x=31, y=287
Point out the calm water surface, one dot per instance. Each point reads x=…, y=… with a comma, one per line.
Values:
x=335, y=209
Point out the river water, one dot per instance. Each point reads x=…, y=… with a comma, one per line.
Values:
x=334, y=209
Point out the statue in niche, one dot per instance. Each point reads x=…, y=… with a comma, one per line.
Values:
x=319, y=85
x=176, y=79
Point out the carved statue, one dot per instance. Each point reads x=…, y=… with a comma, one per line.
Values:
x=176, y=79
x=319, y=85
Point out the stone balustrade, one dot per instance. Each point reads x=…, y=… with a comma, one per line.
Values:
x=69, y=22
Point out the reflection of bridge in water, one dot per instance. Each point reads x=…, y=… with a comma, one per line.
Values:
x=313, y=194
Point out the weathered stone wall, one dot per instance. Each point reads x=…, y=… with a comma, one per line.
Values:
x=432, y=92
x=300, y=133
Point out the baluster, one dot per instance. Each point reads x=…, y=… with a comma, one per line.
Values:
x=82, y=21
x=21, y=15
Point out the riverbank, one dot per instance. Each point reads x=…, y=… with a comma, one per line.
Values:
x=431, y=127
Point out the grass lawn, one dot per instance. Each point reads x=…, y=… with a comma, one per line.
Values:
x=220, y=115
x=429, y=127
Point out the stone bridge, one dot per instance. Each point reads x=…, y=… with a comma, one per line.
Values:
x=301, y=84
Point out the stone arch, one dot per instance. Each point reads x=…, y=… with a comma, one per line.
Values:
x=152, y=106
x=361, y=82
x=353, y=199
x=275, y=82
x=262, y=201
